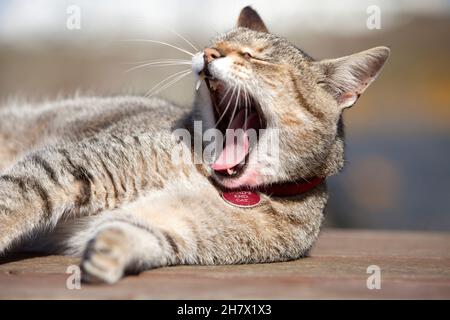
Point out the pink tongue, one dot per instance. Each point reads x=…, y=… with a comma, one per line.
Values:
x=235, y=150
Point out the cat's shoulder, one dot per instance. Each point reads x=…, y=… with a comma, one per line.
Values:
x=92, y=103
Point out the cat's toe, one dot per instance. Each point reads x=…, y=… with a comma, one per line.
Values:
x=105, y=257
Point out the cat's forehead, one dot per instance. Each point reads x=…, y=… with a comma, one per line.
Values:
x=243, y=37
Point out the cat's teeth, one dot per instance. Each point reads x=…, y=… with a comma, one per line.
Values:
x=199, y=82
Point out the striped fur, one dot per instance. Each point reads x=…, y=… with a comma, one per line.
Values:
x=94, y=177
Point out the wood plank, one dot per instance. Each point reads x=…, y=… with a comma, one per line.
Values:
x=413, y=265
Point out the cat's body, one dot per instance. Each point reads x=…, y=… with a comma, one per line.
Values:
x=96, y=177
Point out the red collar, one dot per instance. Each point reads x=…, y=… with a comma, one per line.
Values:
x=247, y=198
x=289, y=189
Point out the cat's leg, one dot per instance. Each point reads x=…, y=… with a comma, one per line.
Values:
x=44, y=186
x=77, y=180
x=122, y=244
x=197, y=230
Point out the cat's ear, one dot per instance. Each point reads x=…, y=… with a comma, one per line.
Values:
x=249, y=18
x=348, y=77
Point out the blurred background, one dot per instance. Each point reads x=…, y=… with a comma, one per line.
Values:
x=398, y=135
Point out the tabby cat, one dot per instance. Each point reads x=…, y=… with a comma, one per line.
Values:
x=95, y=177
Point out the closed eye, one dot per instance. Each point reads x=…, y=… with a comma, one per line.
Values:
x=247, y=55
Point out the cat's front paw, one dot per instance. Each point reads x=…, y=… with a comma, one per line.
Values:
x=105, y=257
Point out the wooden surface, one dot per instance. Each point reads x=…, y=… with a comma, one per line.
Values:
x=413, y=265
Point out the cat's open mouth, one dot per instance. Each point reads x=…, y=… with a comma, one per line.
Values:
x=234, y=109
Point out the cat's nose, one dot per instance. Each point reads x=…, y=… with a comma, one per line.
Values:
x=210, y=54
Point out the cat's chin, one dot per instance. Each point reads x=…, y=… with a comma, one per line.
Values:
x=249, y=178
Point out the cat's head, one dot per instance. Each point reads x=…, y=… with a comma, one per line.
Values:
x=255, y=79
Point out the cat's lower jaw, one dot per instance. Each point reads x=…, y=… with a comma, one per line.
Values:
x=249, y=178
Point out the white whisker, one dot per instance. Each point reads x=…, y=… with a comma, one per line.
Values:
x=171, y=83
x=226, y=108
x=235, y=106
x=226, y=93
x=246, y=106
x=159, y=60
x=160, y=42
x=161, y=83
x=167, y=83
x=158, y=64
x=186, y=40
